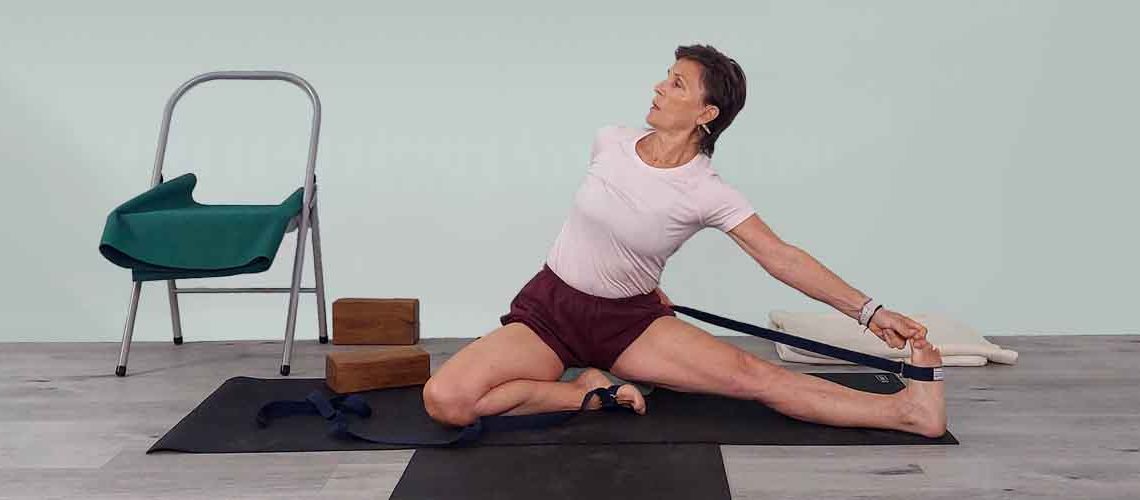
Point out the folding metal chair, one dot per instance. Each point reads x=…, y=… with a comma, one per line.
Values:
x=307, y=218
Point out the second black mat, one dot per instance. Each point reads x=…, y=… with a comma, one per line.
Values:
x=626, y=471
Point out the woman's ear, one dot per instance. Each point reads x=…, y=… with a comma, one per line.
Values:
x=709, y=114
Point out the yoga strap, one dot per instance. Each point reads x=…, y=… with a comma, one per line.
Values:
x=335, y=410
x=928, y=374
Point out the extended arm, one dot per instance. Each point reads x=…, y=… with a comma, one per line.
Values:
x=803, y=272
x=796, y=268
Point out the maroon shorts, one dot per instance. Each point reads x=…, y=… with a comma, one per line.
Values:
x=584, y=330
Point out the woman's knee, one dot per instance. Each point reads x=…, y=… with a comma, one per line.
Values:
x=448, y=402
x=751, y=377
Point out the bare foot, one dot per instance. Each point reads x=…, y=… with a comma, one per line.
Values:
x=922, y=404
x=627, y=394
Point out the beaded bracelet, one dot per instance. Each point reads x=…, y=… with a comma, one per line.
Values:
x=868, y=310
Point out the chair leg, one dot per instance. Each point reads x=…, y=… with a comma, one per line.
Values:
x=319, y=275
x=294, y=291
x=128, y=329
x=175, y=318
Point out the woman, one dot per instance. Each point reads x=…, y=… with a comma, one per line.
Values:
x=596, y=304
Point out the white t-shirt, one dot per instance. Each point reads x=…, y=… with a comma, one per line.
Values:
x=629, y=217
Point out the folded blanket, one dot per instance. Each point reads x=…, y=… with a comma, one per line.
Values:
x=164, y=234
x=960, y=344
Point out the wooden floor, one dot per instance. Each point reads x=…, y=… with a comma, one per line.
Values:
x=1063, y=423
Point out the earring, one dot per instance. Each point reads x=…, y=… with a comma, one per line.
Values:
x=706, y=127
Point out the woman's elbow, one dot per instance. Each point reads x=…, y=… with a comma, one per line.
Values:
x=781, y=259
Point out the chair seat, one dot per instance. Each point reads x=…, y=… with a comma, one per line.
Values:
x=164, y=234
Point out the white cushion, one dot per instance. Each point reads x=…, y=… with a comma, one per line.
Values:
x=960, y=344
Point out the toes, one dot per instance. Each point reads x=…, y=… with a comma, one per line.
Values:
x=631, y=398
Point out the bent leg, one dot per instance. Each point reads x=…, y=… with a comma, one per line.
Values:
x=510, y=371
x=677, y=355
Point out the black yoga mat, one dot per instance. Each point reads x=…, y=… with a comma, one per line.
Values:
x=628, y=471
x=224, y=422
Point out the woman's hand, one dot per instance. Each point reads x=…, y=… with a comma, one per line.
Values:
x=665, y=300
x=894, y=329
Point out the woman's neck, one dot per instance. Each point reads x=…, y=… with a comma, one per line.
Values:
x=665, y=149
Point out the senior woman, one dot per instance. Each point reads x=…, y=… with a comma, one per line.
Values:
x=596, y=303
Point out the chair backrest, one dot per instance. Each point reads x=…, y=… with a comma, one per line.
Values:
x=311, y=165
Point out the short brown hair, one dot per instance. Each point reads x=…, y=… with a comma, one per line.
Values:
x=725, y=88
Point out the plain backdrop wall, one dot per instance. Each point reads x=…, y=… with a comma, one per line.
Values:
x=976, y=159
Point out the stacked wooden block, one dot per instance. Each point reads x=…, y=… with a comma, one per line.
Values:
x=386, y=322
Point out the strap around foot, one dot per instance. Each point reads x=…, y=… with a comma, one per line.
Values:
x=925, y=374
x=608, y=396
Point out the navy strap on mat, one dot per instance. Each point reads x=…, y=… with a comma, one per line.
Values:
x=928, y=374
x=334, y=410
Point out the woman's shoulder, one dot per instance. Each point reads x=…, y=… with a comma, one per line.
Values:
x=709, y=183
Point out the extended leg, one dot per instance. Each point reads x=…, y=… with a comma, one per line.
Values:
x=677, y=355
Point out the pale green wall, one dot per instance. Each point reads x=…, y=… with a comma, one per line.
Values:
x=972, y=158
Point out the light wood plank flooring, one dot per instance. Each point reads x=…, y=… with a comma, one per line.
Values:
x=1063, y=423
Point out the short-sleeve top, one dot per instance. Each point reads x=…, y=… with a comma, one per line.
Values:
x=629, y=217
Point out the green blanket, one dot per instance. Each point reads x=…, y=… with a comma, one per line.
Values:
x=164, y=234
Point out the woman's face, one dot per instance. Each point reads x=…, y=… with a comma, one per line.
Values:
x=678, y=101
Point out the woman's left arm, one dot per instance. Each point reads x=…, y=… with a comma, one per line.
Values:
x=796, y=268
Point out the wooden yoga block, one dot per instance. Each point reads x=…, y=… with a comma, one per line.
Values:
x=376, y=321
x=355, y=371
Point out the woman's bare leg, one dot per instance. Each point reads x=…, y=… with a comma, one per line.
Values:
x=525, y=397
x=677, y=355
x=510, y=371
